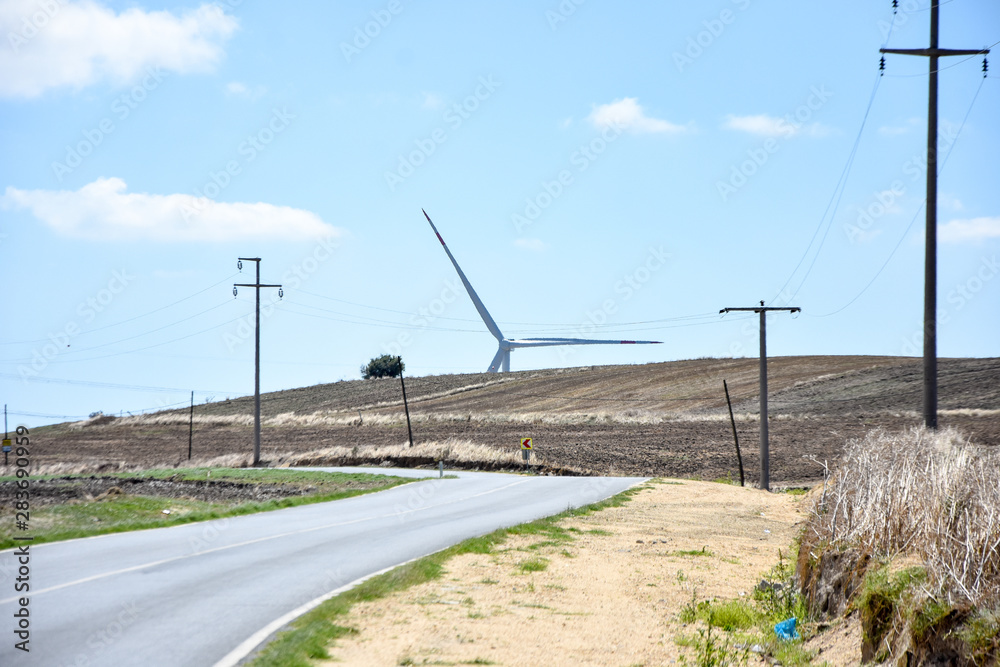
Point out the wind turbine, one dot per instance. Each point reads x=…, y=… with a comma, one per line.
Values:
x=502, y=359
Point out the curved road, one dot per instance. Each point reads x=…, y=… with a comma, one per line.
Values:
x=207, y=593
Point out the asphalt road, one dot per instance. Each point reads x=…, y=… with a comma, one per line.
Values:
x=207, y=593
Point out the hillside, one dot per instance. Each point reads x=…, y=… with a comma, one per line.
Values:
x=656, y=419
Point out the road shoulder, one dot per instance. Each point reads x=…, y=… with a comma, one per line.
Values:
x=609, y=595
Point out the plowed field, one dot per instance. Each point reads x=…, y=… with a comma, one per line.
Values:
x=659, y=419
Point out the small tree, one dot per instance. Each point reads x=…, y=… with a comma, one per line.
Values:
x=385, y=366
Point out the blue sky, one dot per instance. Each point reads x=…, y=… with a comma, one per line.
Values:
x=619, y=170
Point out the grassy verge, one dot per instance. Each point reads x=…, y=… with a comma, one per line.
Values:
x=728, y=632
x=311, y=634
x=126, y=512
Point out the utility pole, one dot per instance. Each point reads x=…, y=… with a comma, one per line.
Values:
x=765, y=455
x=406, y=406
x=191, y=427
x=930, y=240
x=256, y=329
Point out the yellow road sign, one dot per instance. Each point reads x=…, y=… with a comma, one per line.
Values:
x=525, y=443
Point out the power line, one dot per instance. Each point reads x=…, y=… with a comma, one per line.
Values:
x=906, y=231
x=838, y=193
x=141, y=349
x=561, y=325
x=105, y=385
x=131, y=319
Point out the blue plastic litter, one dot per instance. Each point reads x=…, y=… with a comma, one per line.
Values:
x=786, y=630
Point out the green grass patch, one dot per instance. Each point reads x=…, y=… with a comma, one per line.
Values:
x=127, y=512
x=311, y=633
x=533, y=565
x=727, y=627
x=981, y=634
x=883, y=597
x=692, y=552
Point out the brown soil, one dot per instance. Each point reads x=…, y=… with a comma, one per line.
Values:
x=665, y=419
x=610, y=597
x=66, y=489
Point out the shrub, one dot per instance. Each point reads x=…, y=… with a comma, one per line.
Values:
x=930, y=493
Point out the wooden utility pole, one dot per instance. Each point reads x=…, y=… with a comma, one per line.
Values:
x=406, y=407
x=736, y=438
x=930, y=241
x=256, y=329
x=765, y=456
x=191, y=427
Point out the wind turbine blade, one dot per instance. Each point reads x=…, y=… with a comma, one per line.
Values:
x=483, y=313
x=543, y=342
x=497, y=360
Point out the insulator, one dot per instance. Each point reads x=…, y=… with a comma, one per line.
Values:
x=895, y=6
x=281, y=293
x=986, y=66
x=239, y=262
x=234, y=292
x=881, y=66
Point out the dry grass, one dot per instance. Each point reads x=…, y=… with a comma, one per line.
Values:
x=455, y=452
x=633, y=417
x=92, y=467
x=933, y=494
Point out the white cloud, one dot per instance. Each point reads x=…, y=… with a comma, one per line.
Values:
x=432, y=101
x=103, y=210
x=534, y=245
x=772, y=126
x=896, y=130
x=67, y=43
x=629, y=114
x=976, y=229
x=240, y=89
x=947, y=200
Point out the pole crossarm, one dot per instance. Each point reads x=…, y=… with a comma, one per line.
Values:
x=249, y=285
x=937, y=53
x=761, y=309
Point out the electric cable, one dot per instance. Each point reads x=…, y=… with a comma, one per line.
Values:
x=915, y=215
